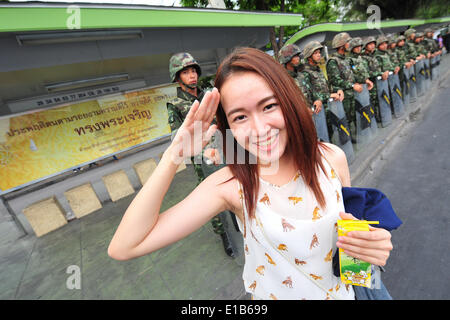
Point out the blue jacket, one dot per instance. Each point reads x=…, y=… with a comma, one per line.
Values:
x=370, y=204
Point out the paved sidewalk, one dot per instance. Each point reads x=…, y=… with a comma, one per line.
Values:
x=193, y=268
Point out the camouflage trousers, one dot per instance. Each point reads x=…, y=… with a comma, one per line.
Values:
x=215, y=222
x=374, y=101
x=350, y=113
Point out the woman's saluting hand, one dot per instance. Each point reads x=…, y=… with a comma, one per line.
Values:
x=195, y=132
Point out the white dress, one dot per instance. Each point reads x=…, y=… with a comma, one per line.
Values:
x=295, y=224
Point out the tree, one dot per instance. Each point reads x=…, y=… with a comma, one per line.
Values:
x=313, y=11
x=400, y=9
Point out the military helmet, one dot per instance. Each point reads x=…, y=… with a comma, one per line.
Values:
x=400, y=38
x=369, y=40
x=392, y=38
x=428, y=30
x=355, y=42
x=409, y=32
x=382, y=39
x=182, y=60
x=287, y=53
x=309, y=49
x=419, y=34
x=340, y=39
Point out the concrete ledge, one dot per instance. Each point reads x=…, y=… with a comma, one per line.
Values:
x=45, y=216
x=118, y=185
x=83, y=200
x=144, y=169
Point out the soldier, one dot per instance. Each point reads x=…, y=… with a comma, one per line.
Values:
x=374, y=71
x=420, y=46
x=412, y=53
x=359, y=66
x=392, y=51
x=383, y=57
x=289, y=56
x=340, y=77
x=315, y=80
x=185, y=70
x=402, y=59
x=430, y=44
x=402, y=54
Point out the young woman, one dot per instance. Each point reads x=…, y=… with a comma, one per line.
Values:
x=287, y=201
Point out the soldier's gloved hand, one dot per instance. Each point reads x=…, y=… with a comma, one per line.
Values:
x=213, y=155
x=317, y=106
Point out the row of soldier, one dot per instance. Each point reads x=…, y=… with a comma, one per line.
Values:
x=363, y=75
x=355, y=69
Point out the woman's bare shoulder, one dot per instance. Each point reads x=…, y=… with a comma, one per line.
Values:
x=337, y=159
x=334, y=153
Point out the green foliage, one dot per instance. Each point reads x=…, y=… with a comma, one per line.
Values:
x=203, y=3
x=434, y=9
x=399, y=9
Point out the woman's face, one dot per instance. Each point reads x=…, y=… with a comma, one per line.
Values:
x=254, y=116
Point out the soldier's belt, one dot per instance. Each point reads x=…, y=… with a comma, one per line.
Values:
x=342, y=126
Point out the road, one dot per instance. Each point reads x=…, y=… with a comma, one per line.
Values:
x=416, y=178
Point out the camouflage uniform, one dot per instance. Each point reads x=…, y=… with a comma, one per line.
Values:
x=313, y=75
x=401, y=52
x=285, y=56
x=421, y=45
x=383, y=57
x=429, y=43
x=402, y=59
x=411, y=51
x=357, y=63
x=374, y=71
x=315, y=80
x=179, y=107
x=340, y=77
x=393, y=52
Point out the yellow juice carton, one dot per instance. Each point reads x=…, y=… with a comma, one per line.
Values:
x=354, y=271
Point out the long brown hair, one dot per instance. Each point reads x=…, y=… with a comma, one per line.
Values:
x=302, y=138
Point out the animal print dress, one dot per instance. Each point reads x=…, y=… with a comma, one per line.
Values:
x=295, y=223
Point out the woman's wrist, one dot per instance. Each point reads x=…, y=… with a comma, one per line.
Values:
x=173, y=156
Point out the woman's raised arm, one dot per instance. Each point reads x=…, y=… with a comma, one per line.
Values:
x=142, y=229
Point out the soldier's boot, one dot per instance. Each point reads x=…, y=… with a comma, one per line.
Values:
x=219, y=229
x=227, y=245
x=352, y=127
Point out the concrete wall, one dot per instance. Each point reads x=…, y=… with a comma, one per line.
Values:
x=83, y=192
